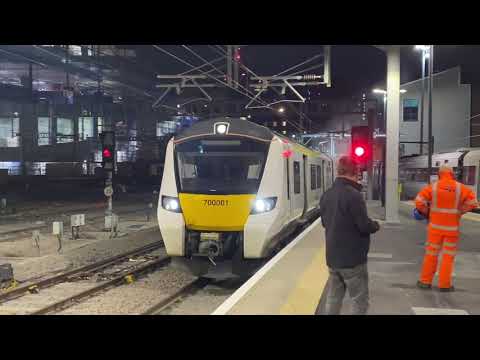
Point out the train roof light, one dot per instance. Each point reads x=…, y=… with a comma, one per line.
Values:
x=221, y=128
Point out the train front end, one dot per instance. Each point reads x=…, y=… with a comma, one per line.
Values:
x=209, y=190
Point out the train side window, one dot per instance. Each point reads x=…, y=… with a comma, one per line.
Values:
x=469, y=175
x=319, y=177
x=296, y=177
x=313, y=177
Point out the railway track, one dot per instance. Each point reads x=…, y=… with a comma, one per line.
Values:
x=183, y=292
x=116, y=281
x=34, y=287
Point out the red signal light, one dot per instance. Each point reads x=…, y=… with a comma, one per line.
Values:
x=359, y=151
x=107, y=153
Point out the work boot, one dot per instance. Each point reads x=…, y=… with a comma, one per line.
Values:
x=450, y=289
x=423, y=286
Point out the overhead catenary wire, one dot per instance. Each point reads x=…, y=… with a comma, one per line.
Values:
x=235, y=82
x=209, y=76
x=301, y=114
x=298, y=65
x=295, y=124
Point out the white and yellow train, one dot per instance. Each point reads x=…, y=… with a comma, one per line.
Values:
x=232, y=190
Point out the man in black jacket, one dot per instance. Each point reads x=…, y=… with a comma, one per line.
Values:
x=348, y=228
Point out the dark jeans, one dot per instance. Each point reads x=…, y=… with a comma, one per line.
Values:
x=355, y=280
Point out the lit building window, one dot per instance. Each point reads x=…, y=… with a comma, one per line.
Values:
x=85, y=128
x=284, y=132
x=44, y=130
x=284, y=123
x=99, y=125
x=75, y=50
x=9, y=129
x=274, y=124
x=64, y=130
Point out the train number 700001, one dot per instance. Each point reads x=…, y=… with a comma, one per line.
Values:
x=215, y=202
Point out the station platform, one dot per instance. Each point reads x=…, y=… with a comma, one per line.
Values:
x=295, y=280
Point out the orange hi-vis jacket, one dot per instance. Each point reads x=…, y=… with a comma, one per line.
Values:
x=445, y=201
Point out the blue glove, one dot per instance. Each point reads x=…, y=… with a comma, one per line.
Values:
x=418, y=215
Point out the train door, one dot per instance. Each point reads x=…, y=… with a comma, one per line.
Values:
x=288, y=188
x=323, y=176
x=305, y=187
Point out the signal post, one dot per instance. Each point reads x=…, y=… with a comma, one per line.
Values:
x=108, y=164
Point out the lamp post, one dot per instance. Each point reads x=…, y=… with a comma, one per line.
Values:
x=425, y=55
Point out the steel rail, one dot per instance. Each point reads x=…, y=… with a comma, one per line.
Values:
x=54, y=280
x=119, y=280
x=190, y=288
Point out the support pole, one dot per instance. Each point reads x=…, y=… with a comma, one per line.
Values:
x=430, y=135
x=229, y=64
x=422, y=102
x=392, y=131
x=235, y=69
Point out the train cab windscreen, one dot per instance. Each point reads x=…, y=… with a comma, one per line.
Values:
x=220, y=166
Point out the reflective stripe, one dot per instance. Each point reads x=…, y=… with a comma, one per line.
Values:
x=458, y=192
x=455, y=209
x=433, y=253
x=446, y=211
x=441, y=227
x=435, y=246
x=450, y=252
x=446, y=243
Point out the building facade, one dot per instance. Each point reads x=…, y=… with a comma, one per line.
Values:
x=451, y=113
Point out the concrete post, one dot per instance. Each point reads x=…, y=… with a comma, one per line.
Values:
x=393, y=134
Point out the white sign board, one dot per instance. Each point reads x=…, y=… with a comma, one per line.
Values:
x=108, y=191
x=77, y=220
x=57, y=228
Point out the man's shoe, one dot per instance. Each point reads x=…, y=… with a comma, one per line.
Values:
x=450, y=289
x=423, y=286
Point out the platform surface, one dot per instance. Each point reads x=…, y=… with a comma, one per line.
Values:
x=294, y=280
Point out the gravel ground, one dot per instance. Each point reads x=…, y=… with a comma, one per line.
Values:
x=135, y=298
x=80, y=252
x=204, y=301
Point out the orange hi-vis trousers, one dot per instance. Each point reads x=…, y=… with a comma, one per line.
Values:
x=448, y=246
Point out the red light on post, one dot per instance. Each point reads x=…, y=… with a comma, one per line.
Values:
x=359, y=151
x=107, y=153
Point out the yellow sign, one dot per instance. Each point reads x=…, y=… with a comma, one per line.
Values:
x=216, y=212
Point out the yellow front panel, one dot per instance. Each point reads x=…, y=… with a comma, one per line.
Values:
x=216, y=212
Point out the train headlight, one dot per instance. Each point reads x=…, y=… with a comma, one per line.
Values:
x=264, y=205
x=171, y=204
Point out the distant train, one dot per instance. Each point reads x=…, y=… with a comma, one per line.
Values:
x=232, y=190
x=413, y=171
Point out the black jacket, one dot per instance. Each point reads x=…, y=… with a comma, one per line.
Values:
x=347, y=225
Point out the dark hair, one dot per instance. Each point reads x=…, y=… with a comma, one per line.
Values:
x=346, y=166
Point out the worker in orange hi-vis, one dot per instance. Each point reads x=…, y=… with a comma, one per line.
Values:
x=443, y=202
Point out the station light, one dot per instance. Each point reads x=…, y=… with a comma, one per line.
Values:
x=281, y=110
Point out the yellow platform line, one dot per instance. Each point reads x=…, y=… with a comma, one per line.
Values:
x=303, y=300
